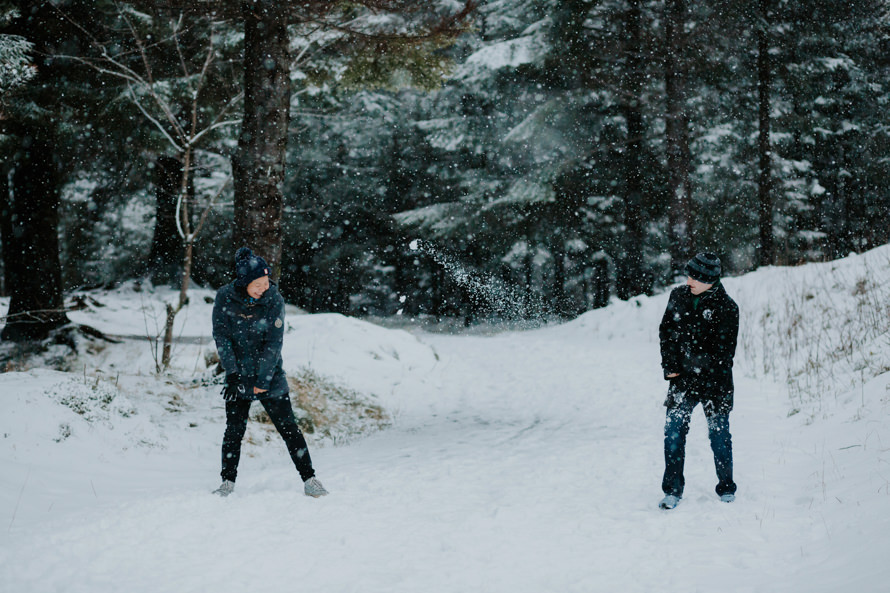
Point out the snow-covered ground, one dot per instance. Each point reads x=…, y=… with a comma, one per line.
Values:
x=518, y=461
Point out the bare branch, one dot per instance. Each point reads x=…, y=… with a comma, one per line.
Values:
x=185, y=70
x=303, y=51
x=38, y=315
x=133, y=78
x=152, y=119
x=179, y=209
x=234, y=100
x=209, y=208
x=211, y=50
x=194, y=140
x=150, y=76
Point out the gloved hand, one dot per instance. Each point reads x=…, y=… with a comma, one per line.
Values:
x=234, y=387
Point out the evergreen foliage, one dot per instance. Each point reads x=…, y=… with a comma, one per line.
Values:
x=531, y=155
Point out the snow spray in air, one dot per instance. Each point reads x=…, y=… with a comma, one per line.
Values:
x=503, y=299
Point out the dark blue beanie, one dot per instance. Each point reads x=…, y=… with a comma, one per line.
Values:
x=249, y=267
x=705, y=267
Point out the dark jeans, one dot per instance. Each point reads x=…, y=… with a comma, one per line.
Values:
x=676, y=427
x=282, y=415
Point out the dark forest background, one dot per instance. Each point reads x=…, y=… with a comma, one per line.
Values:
x=500, y=158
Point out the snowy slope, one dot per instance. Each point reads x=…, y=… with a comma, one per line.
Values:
x=519, y=461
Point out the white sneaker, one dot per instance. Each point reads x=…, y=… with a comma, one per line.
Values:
x=727, y=497
x=226, y=488
x=312, y=487
x=669, y=502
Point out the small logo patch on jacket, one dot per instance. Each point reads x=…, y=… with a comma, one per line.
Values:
x=707, y=314
x=279, y=323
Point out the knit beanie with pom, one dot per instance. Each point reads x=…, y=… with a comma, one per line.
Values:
x=249, y=267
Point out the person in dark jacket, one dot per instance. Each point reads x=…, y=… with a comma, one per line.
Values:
x=248, y=328
x=698, y=335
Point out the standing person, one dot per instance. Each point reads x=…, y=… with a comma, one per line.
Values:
x=698, y=336
x=248, y=327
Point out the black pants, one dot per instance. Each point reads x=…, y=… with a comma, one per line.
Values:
x=282, y=415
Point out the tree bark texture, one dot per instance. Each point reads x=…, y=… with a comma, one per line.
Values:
x=630, y=276
x=258, y=166
x=766, y=255
x=6, y=236
x=679, y=159
x=600, y=283
x=34, y=278
x=558, y=251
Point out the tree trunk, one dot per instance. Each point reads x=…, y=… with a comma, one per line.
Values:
x=6, y=235
x=437, y=291
x=528, y=264
x=677, y=136
x=165, y=258
x=35, y=277
x=558, y=251
x=601, y=283
x=572, y=65
x=173, y=311
x=766, y=254
x=631, y=278
x=258, y=166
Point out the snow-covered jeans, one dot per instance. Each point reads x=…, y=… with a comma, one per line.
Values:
x=282, y=415
x=676, y=427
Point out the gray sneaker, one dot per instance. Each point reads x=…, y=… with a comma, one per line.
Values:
x=226, y=488
x=312, y=487
x=669, y=502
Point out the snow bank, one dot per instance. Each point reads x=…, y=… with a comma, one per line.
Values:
x=822, y=328
x=44, y=411
x=367, y=357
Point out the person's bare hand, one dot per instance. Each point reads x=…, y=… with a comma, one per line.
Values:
x=672, y=375
x=257, y=390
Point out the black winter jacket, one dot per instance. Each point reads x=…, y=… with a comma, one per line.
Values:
x=699, y=342
x=249, y=339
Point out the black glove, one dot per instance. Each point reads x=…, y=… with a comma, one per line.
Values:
x=234, y=387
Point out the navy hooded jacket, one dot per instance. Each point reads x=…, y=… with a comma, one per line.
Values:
x=249, y=339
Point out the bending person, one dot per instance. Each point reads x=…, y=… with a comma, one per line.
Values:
x=248, y=327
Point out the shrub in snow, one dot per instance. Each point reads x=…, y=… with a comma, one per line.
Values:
x=330, y=410
x=96, y=399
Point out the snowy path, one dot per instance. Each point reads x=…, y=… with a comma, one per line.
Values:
x=523, y=462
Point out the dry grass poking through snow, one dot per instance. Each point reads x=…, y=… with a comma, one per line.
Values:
x=826, y=331
x=329, y=410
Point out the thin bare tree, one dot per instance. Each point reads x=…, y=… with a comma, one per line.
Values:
x=178, y=122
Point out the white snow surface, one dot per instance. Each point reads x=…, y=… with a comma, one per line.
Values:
x=521, y=461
